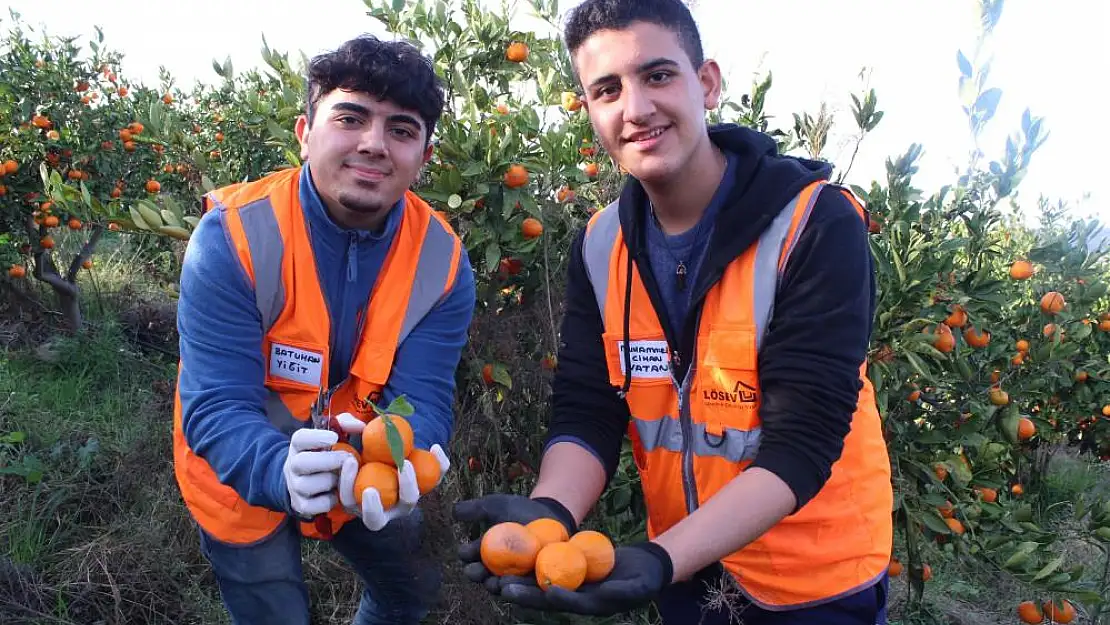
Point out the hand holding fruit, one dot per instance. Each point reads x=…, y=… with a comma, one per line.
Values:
x=498, y=509
x=638, y=573
x=310, y=471
x=371, y=486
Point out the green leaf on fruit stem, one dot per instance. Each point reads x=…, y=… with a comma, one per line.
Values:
x=393, y=437
x=1050, y=568
x=501, y=376
x=493, y=256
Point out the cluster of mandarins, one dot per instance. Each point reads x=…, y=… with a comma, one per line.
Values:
x=377, y=468
x=545, y=549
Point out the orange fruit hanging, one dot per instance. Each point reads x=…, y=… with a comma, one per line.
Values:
x=894, y=569
x=1059, y=612
x=1052, y=303
x=957, y=318
x=1026, y=428
x=509, y=549
x=515, y=176
x=375, y=443
x=1030, y=612
x=599, y=552
x=977, y=338
x=380, y=476
x=548, y=531
x=1021, y=270
x=517, y=52
x=426, y=466
x=562, y=565
x=531, y=228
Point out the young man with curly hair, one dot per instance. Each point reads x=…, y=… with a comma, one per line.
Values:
x=307, y=296
x=719, y=313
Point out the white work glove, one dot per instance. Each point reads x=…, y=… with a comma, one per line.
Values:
x=408, y=493
x=312, y=471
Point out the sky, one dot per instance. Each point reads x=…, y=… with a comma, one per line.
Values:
x=1046, y=59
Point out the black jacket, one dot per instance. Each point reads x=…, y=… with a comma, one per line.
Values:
x=817, y=338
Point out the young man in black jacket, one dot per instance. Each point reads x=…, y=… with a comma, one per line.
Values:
x=771, y=474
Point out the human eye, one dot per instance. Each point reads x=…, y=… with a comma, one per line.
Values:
x=659, y=77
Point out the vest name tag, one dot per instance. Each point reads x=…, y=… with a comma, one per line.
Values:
x=651, y=360
x=298, y=365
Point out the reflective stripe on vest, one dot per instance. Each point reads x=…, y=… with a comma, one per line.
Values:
x=690, y=438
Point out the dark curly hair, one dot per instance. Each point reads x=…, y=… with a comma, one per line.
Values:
x=393, y=70
x=594, y=15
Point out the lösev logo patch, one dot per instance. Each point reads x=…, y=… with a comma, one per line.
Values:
x=740, y=394
x=651, y=360
x=298, y=365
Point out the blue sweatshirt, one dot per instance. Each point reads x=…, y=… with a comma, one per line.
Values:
x=222, y=368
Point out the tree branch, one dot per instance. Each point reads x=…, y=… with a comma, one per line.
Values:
x=85, y=253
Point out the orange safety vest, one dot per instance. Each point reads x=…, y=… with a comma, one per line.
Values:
x=692, y=437
x=266, y=225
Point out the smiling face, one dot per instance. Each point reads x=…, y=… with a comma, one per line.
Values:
x=646, y=100
x=363, y=154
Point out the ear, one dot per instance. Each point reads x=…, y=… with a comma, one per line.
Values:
x=428, y=153
x=301, y=128
x=709, y=75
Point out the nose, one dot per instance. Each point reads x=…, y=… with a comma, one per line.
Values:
x=638, y=105
x=372, y=139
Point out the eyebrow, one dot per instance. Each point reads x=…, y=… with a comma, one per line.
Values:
x=403, y=118
x=643, y=68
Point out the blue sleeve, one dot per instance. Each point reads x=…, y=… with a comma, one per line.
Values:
x=425, y=364
x=222, y=371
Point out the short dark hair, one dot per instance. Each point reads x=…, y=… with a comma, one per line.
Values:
x=594, y=15
x=394, y=71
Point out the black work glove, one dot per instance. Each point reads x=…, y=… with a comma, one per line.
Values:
x=493, y=509
x=639, y=572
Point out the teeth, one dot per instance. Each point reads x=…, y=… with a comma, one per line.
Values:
x=652, y=135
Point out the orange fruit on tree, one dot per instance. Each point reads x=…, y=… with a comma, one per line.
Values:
x=999, y=397
x=509, y=549
x=944, y=341
x=1059, y=612
x=153, y=186
x=562, y=565
x=988, y=495
x=599, y=551
x=129, y=146
x=10, y=166
x=136, y=128
x=1021, y=270
x=977, y=338
x=50, y=222
x=1022, y=345
x=87, y=264
x=913, y=396
x=53, y=135
x=947, y=510
x=1104, y=325
x=515, y=176
x=531, y=228
x=1017, y=359
x=590, y=169
x=1026, y=428
x=125, y=135
x=957, y=318
x=375, y=443
x=926, y=573
x=1017, y=490
x=955, y=525
x=548, y=531
x=1081, y=376
x=47, y=242
x=1052, y=303
x=74, y=224
x=487, y=374
x=571, y=101
x=1106, y=410
x=349, y=449
x=1030, y=612
x=426, y=466
x=377, y=475
x=517, y=52
x=894, y=569
x=219, y=137
x=17, y=271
